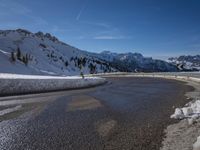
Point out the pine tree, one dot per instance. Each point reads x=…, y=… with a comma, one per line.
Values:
x=66, y=63
x=92, y=68
x=83, y=61
x=18, y=54
x=82, y=75
x=72, y=58
x=25, y=59
x=80, y=63
x=13, y=56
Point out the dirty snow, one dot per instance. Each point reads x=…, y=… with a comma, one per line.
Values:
x=196, y=145
x=18, y=84
x=191, y=111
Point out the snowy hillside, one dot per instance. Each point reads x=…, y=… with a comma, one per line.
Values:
x=187, y=63
x=24, y=52
x=136, y=62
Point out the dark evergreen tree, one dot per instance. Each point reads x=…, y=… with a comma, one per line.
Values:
x=18, y=53
x=13, y=56
x=72, y=58
x=83, y=61
x=66, y=63
x=26, y=59
x=92, y=68
x=79, y=61
x=82, y=75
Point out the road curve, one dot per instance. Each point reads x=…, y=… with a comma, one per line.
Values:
x=126, y=113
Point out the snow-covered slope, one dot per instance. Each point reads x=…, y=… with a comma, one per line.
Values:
x=187, y=63
x=23, y=52
x=136, y=62
x=37, y=53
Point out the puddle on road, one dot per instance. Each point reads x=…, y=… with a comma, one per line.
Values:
x=25, y=101
x=9, y=110
x=83, y=102
x=13, y=108
x=105, y=128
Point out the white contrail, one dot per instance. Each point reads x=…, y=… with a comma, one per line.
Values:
x=80, y=13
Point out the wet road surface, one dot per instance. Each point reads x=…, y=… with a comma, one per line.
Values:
x=126, y=113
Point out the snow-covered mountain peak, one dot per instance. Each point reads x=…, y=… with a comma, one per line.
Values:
x=134, y=62
x=25, y=33
x=46, y=35
x=22, y=51
x=186, y=63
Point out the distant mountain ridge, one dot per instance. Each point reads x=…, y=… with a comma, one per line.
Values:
x=24, y=52
x=186, y=62
x=136, y=62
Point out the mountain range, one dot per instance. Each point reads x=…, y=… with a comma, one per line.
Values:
x=24, y=52
x=186, y=63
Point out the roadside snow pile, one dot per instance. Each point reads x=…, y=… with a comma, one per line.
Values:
x=18, y=84
x=196, y=145
x=191, y=111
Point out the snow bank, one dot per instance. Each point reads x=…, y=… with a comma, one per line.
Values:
x=191, y=111
x=189, y=76
x=196, y=145
x=18, y=84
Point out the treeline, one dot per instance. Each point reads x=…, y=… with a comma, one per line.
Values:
x=91, y=64
x=18, y=55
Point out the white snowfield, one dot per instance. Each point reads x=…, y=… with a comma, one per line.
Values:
x=19, y=84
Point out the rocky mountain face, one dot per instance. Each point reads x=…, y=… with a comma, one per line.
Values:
x=24, y=52
x=186, y=63
x=136, y=62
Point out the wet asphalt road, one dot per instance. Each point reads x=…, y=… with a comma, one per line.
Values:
x=125, y=114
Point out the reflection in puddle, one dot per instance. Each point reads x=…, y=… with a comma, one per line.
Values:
x=9, y=110
x=104, y=128
x=83, y=102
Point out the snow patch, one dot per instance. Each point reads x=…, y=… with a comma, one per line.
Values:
x=191, y=111
x=196, y=145
x=19, y=84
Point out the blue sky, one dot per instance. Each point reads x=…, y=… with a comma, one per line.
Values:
x=157, y=28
